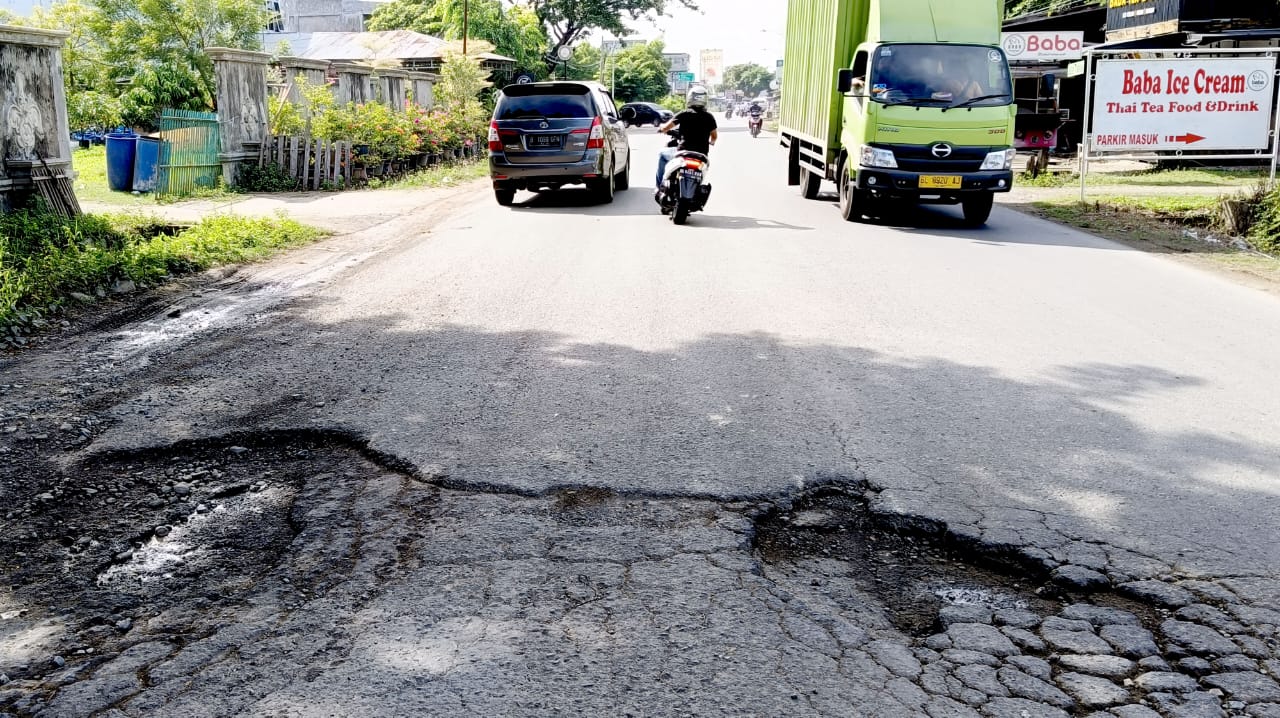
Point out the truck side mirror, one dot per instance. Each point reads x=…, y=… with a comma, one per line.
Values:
x=844, y=82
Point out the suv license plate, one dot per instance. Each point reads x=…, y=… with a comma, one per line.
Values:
x=940, y=181
x=544, y=140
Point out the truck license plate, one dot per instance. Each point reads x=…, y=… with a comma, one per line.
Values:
x=940, y=181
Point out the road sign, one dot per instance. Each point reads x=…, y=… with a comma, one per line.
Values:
x=565, y=53
x=1183, y=103
x=684, y=76
x=1044, y=46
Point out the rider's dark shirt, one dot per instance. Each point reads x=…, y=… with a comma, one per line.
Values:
x=696, y=127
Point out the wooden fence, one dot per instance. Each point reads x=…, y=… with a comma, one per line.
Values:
x=314, y=163
x=189, y=147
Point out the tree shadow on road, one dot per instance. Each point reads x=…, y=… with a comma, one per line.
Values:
x=746, y=416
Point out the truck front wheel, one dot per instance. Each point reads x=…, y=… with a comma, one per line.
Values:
x=851, y=199
x=977, y=209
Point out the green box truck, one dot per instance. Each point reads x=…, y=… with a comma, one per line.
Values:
x=898, y=100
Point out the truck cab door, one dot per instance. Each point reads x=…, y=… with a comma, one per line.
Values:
x=855, y=106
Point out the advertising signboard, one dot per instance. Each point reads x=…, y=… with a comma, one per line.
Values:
x=1132, y=19
x=1046, y=46
x=712, y=65
x=1223, y=103
x=676, y=61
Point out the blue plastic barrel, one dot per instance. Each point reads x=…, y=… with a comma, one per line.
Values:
x=121, y=148
x=146, y=165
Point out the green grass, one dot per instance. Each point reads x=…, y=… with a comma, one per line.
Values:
x=1150, y=178
x=91, y=184
x=443, y=176
x=43, y=258
x=1180, y=178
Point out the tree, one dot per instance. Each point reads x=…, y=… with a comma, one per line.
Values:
x=587, y=63
x=461, y=82
x=641, y=73
x=750, y=79
x=82, y=67
x=158, y=46
x=91, y=110
x=567, y=20
x=513, y=31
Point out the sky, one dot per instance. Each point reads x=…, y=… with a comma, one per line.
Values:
x=747, y=30
x=20, y=7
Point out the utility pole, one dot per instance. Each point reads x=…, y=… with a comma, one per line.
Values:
x=466, y=23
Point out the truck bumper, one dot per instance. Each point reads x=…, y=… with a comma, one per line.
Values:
x=906, y=185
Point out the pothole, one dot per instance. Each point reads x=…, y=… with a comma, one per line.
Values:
x=913, y=573
x=194, y=527
x=992, y=631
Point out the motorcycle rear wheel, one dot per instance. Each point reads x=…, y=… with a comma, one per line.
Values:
x=680, y=214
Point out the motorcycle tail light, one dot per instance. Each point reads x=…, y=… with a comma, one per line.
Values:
x=693, y=164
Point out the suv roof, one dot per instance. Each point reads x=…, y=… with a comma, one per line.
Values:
x=574, y=86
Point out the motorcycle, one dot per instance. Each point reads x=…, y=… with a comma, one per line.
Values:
x=756, y=123
x=728, y=114
x=684, y=189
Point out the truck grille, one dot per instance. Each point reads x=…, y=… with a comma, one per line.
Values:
x=919, y=158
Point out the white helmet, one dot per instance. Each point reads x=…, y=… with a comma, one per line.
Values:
x=697, y=97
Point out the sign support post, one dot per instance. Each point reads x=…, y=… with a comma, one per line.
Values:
x=1087, y=136
x=1275, y=140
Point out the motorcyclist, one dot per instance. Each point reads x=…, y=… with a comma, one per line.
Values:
x=698, y=130
x=756, y=110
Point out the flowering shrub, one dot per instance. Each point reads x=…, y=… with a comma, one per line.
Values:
x=397, y=135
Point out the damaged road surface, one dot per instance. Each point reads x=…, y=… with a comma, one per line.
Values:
x=479, y=464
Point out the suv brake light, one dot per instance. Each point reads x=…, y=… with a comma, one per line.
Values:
x=596, y=140
x=495, y=142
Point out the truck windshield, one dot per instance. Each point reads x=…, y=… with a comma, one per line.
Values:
x=941, y=75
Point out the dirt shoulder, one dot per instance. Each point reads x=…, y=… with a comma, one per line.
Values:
x=1168, y=219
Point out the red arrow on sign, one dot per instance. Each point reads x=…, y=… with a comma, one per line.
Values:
x=1189, y=138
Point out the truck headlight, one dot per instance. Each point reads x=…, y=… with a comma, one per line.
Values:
x=876, y=157
x=999, y=160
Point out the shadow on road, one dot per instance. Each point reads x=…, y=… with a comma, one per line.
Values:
x=722, y=222
x=736, y=415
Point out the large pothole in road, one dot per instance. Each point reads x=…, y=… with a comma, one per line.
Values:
x=914, y=573
x=995, y=631
x=185, y=531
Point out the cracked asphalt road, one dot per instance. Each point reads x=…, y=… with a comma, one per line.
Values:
x=570, y=460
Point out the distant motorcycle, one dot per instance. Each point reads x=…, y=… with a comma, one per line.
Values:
x=684, y=188
x=756, y=123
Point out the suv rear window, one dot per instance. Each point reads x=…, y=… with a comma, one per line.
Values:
x=550, y=101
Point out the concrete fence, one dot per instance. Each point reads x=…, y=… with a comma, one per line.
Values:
x=33, y=111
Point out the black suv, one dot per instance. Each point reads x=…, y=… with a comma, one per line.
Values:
x=647, y=113
x=546, y=135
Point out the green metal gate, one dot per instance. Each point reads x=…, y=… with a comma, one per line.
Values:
x=189, y=149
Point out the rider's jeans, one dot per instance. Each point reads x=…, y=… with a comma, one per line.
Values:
x=663, y=158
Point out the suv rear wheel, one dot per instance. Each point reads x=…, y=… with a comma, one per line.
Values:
x=622, y=180
x=603, y=189
x=505, y=197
